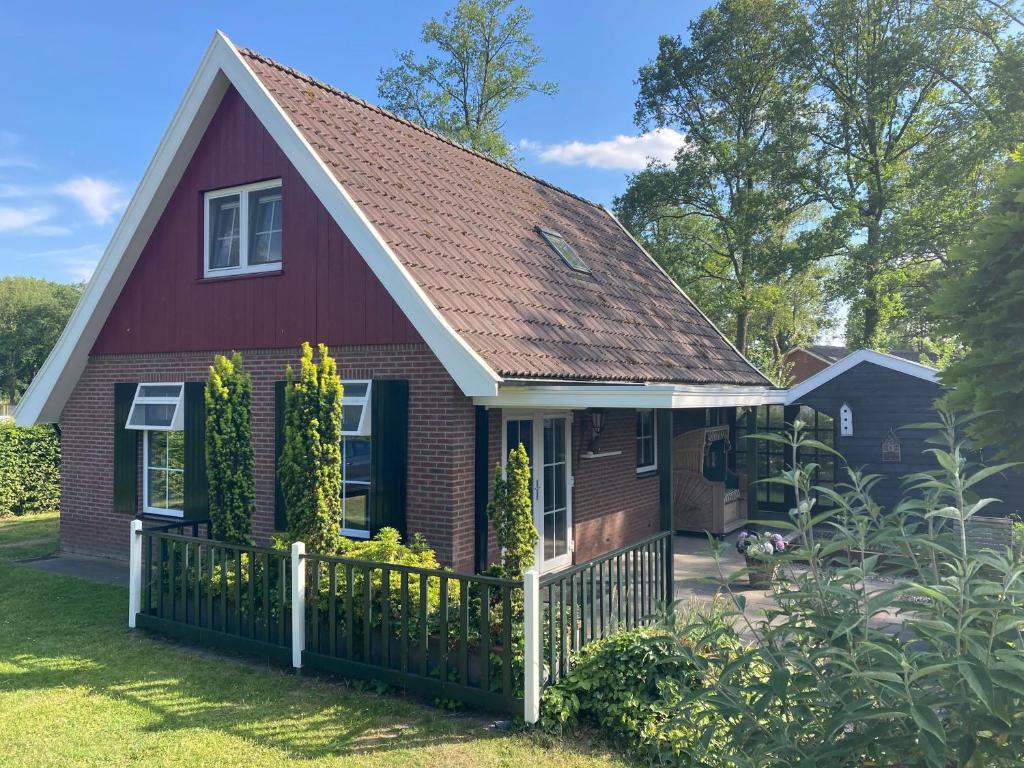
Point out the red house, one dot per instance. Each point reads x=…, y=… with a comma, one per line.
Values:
x=470, y=307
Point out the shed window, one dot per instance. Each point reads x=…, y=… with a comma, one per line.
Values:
x=243, y=229
x=355, y=458
x=563, y=249
x=646, y=441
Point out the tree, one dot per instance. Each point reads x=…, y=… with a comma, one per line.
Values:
x=511, y=514
x=729, y=207
x=229, y=456
x=485, y=64
x=984, y=306
x=33, y=312
x=310, y=471
x=909, y=139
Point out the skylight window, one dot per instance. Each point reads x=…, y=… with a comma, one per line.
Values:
x=563, y=249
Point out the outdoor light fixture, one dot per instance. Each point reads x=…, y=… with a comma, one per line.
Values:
x=597, y=417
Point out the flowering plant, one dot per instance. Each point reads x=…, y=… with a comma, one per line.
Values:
x=760, y=545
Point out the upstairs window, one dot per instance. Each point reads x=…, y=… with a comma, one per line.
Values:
x=563, y=249
x=243, y=229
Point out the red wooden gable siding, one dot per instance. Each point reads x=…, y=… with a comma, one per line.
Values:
x=325, y=291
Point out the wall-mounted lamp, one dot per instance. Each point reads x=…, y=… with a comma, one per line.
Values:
x=597, y=417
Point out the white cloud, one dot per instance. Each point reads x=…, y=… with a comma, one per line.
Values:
x=101, y=199
x=624, y=153
x=20, y=219
x=77, y=264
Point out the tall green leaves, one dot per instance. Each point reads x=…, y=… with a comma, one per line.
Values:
x=511, y=514
x=485, y=62
x=310, y=465
x=985, y=306
x=229, y=455
x=889, y=640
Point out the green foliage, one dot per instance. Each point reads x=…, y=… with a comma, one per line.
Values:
x=727, y=210
x=842, y=690
x=229, y=455
x=33, y=313
x=984, y=305
x=310, y=468
x=630, y=685
x=511, y=514
x=29, y=469
x=485, y=64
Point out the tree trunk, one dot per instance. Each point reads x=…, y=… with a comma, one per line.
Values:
x=742, y=319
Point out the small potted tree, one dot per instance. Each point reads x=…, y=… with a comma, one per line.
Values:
x=759, y=550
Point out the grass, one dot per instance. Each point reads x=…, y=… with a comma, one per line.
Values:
x=28, y=536
x=78, y=688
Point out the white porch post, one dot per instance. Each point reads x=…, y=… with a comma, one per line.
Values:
x=135, y=573
x=532, y=648
x=298, y=603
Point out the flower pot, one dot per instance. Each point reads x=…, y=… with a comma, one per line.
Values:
x=762, y=572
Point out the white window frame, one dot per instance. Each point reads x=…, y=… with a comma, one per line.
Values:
x=160, y=511
x=653, y=467
x=363, y=429
x=177, y=420
x=244, y=268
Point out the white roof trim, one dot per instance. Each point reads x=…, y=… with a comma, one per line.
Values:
x=220, y=67
x=576, y=396
x=891, y=362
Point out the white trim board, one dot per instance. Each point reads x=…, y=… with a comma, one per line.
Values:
x=629, y=396
x=840, y=367
x=221, y=66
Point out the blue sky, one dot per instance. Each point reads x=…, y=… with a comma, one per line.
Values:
x=93, y=87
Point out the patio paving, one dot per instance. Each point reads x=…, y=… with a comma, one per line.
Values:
x=696, y=577
x=98, y=569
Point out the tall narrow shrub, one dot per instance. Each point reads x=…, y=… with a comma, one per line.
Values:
x=511, y=514
x=229, y=458
x=310, y=467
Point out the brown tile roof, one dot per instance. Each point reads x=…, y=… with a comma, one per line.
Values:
x=464, y=227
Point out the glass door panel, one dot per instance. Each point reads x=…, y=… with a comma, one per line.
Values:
x=557, y=520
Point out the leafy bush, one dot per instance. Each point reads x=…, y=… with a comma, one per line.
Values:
x=310, y=468
x=29, y=469
x=631, y=684
x=229, y=457
x=946, y=689
x=511, y=514
x=1018, y=537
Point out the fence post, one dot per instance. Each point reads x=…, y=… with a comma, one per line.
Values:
x=532, y=648
x=298, y=603
x=135, y=573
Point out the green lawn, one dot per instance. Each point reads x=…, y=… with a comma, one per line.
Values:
x=77, y=688
x=29, y=536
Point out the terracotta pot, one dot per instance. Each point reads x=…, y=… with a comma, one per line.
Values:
x=762, y=572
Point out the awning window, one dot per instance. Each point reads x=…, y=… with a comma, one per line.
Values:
x=355, y=403
x=158, y=407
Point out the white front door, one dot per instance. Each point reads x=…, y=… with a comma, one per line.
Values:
x=548, y=442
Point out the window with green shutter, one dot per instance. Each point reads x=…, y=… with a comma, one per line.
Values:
x=126, y=452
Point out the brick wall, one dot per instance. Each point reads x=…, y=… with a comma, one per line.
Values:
x=804, y=365
x=440, y=479
x=612, y=505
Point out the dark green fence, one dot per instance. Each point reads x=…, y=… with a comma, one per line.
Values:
x=215, y=593
x=437, y=633
x=622, y=589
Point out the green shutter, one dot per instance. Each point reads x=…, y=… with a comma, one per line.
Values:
x=197, y=497
x=481, y=472
x=126, y=452
x=389, y=423
x=280, y=514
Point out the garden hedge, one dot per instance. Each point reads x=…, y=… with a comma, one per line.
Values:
x=29, y=469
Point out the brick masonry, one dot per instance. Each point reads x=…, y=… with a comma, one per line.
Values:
x=612, y=505
x=440, y=470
